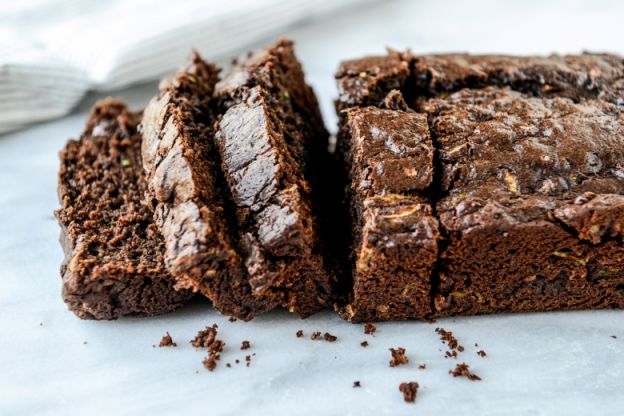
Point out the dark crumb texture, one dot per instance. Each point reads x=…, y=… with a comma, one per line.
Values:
x=299, y=333
x=356, y=384
x=525, y=186
x=370, y=328
x=114, y=256
x=463, y=370
x=245, y=345
x=210, y=362
x=167, y=341
x=329, y=337
x=398, y=357
x=364, y=344
x=409, y=390
x=481, y=353
x=205, y=337
x=316, y=335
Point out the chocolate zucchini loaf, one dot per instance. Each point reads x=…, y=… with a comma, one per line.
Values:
x=235, y=202
x=527, y=187
x=114, y=254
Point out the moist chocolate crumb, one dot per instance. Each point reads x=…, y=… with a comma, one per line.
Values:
x=409, y=390
x=329, y=337
x=315, y=335
x=364, y=344
x=216, y=346
x=448, y=338
x=370, y=329
x=248, y=360
x=450, y=354
x=481, y=353
x=205, y=337
x=463, y=369
x=300, y=333
x=356, y=384
x=210, y=362
x=167, y=341
x=398, y=357
x=422, y=366
x=245, y=345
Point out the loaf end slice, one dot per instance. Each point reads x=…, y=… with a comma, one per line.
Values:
x=113, y=252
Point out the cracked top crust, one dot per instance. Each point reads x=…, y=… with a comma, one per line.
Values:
x=508, y=158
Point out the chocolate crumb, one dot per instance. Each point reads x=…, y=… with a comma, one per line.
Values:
x=216, y=346
x=315, y=335
x=329, y=337
x=356, y=384
x=232, y=319
x=398, y=357
x=476, y=345
x=245, y=345
x=210, y=362
x=409, y=390
x=228, y=365
x=205, y=337
x=237, y=361
x=167, y=341
x=448, y=338
x=364, y=344
x=300, y=333
x=613, y=336
x=422, y=366
x=248, y=360
x=450, y=354
x=463, y=369
x=481, y=353
x=370, y=329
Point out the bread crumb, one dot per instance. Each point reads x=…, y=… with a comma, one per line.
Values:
x=329, y=337
x=463, y=370
x=409, y=390
x=398, y=357
x=166, y=341
x=370, y=329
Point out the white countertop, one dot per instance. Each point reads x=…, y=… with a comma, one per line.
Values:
x=537, y=364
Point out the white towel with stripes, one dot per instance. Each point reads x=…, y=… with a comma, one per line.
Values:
x=53, y=51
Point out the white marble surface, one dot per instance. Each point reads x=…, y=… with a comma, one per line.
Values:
x=537, y=364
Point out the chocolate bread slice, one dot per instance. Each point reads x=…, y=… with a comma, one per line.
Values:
x=395, y=234
x=114, y=253
x=527, y=174
x=190, y=195
x=273, y=147
x=237, y=203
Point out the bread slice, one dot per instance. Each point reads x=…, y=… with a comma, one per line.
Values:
x=273, y=147
x=114, y=254
x=189, y=194
x=236, y=203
